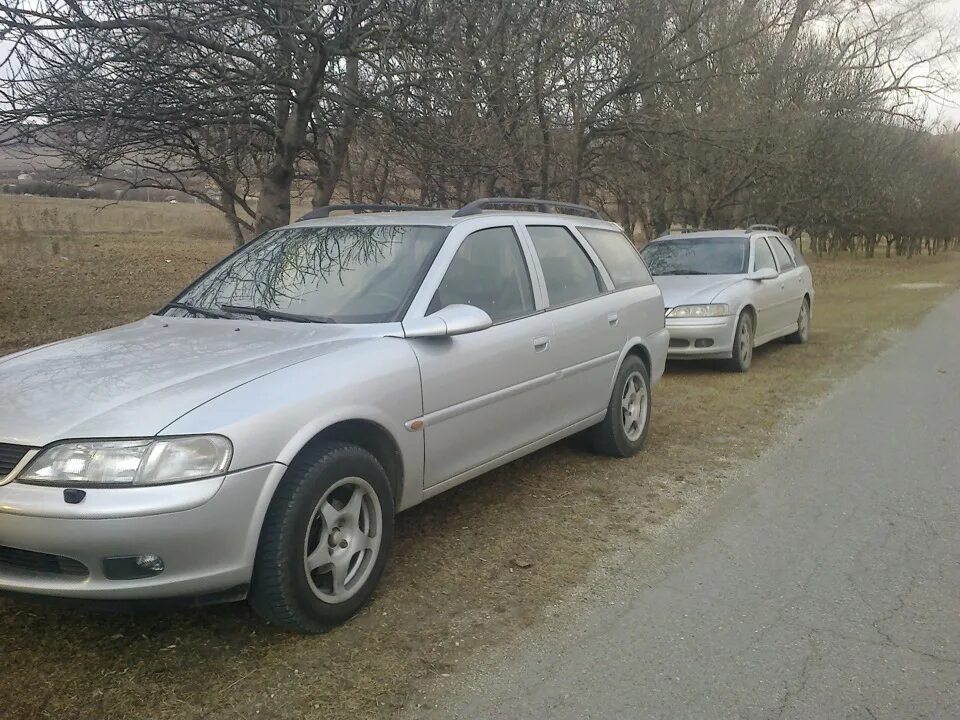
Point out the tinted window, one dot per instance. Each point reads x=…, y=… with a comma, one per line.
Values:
x=763, y=257
x=783, y=257
x=567, y=270
x=345, y=273
x=488, y=272
x=697, y=256
x=618, y=256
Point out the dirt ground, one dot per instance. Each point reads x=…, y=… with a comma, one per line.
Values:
x=468, y=567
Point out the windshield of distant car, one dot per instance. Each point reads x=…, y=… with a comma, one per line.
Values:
x=697, y=256
x=331, y=273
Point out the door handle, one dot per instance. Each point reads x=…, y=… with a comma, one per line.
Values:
x=541, y=343
x=613, y=318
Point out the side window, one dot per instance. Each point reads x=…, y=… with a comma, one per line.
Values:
x=794, y=253
x=763, y=258
x=783, y=257
x=567, y=269
x=618, y=256
x=488, y=272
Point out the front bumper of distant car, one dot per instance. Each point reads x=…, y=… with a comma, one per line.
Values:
x=702, y=337
x=204, y=533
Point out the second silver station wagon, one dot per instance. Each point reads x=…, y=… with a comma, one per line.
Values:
x=256, y=436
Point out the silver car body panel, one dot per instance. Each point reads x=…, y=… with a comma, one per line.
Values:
x=481, y=399
x=775, y=302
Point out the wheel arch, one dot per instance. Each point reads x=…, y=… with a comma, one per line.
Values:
x=640, y=348
x=372, y=437
x=749, y=308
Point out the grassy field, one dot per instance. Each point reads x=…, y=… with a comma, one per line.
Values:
x=458, y=577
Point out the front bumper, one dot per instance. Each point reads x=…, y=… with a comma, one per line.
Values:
x=205, y=531
x=701, y=337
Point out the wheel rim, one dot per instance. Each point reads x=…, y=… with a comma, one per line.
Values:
x=343, y=540
x=804, y=321
x=746, y=342
x=633, y=406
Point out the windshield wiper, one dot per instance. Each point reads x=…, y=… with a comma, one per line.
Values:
x=196, y=310
x=265, y=314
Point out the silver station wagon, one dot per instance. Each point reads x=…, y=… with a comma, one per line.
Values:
x=729, y=291
x=256, y=436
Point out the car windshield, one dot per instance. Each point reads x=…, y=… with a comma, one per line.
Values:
x=333, y=273
x=697, y=256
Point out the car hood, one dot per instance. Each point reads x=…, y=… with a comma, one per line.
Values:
x=136, y=379
x=693, y=289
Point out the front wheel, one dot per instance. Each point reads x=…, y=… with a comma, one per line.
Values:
x=803, y=325
x=325, y=539
x=624, y=429
x=742, y=355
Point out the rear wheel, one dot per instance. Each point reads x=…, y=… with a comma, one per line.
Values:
x=742, y=355
x=325, y=539
x=624, y=429
x=803, y=324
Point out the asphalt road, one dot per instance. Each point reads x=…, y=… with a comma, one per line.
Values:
x=826, y=584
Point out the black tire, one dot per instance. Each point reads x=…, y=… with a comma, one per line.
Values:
x=610, y=437
x=741, y=356
x=281, y=591
x=803, y=324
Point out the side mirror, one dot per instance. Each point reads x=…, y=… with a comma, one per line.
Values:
x=451, y=320
x=763, y=274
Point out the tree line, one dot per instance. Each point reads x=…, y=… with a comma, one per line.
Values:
x=808, y=114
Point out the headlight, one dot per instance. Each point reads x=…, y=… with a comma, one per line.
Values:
x=699, y=311
x=147, y=461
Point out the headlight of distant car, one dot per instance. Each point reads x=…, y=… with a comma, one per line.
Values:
x=147, y=461
x=699, y=311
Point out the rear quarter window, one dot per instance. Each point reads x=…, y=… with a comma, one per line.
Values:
x=618, y=256
x=798, y=258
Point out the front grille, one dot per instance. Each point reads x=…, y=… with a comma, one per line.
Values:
x=679, y=343
x=10, y=455
x=37, y=562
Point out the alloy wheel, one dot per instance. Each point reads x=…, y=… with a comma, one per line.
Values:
x=633, y=406
x=746, y=342
x=342, y=540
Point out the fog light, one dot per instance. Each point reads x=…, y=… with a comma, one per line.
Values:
x=132, y=567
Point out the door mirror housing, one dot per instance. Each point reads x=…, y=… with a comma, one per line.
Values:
x=449, y=321
x=763, y=274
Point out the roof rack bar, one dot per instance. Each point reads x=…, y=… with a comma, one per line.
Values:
x=322, y=212
x=544, y=206
x=761, y=226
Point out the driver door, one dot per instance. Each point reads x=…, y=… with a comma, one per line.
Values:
x=767, y=295
x=486, y=393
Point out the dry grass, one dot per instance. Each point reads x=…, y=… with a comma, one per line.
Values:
x=452, y=583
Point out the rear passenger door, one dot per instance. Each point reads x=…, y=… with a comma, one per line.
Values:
x=588, y=334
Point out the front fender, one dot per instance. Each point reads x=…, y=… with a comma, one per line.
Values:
x=270, y=419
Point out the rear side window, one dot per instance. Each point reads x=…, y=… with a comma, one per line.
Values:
x=618, y=256
x=794, y=253
x=763, y=258
x=567, y=269
x=488, y=272
x=783, y=257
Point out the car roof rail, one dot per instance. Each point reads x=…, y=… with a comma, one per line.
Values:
x=761, y=226
x=322, y=212
x=681, y=231
x=543, y=206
